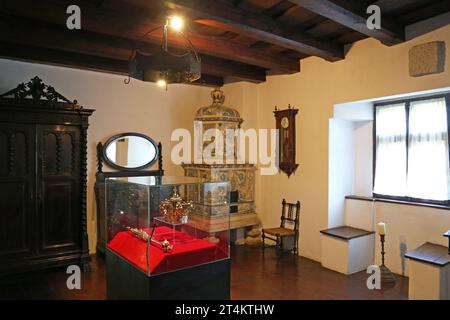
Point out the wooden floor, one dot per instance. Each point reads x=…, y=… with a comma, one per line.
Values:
x=254, y=276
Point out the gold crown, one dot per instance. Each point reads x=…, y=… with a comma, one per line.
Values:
x=175, y=209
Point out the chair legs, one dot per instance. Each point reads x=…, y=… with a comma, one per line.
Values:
x=263, y=240
x=279, y=243
x=295, y=249
x=263, y=236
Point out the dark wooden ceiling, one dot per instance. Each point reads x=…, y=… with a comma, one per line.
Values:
x=237, y=39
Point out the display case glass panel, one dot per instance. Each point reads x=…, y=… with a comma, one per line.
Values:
x=149, y=222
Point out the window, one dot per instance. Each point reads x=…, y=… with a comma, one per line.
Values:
x=412, y=150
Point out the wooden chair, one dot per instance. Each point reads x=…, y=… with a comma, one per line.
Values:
x=288, y=216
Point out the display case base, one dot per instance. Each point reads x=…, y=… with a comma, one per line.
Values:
x=207, y=281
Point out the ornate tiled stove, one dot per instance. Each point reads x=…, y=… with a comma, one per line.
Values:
x=210, y=211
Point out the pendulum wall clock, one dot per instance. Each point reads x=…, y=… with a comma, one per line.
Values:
x=285, y=123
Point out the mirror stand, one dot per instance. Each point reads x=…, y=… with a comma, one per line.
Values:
x=119, y=171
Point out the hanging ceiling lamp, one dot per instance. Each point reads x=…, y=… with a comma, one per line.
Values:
x=165, y=67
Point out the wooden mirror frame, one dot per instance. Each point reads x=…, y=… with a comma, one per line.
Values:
x=99, y=187
x=122, y=135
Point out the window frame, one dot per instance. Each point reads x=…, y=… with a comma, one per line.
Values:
x=407, y=102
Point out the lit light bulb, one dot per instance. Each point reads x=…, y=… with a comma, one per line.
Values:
x=161, y=83
x=176, y=23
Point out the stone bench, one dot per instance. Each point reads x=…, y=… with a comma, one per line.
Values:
x=429, y=272
x=447, y=235
x=347, y=250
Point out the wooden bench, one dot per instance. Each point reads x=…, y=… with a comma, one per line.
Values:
x=347, y=250
x=429, y=272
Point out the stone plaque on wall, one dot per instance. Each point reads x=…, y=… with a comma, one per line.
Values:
x=427, y=58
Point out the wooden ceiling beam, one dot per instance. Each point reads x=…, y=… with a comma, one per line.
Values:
x=32, y=33
x=232, y=51
x=133, y=24
x=69, y=49
x=121, y=24
x=220, y=67
x=392, y=6
x=426, y=12
x=225, y=16
x=81, y=61
x=209, y=80
x=62, y=58
x=347, y=14
x=16, y=30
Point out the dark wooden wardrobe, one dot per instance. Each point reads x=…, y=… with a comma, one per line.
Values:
x=43, y=152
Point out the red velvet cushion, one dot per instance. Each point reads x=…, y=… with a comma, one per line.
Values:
x=187, y=250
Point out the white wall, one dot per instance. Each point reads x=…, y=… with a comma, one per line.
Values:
x=369, y=71
x=341, y=168
x=363, y=169
x=350, y=163
x=360, y=214
x=354, y=111
x=137, y=107
x=407, y=227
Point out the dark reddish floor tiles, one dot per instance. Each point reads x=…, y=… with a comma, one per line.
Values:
x=254, y=276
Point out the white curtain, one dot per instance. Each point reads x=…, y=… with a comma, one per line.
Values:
x=428, y=154
x=390, y=176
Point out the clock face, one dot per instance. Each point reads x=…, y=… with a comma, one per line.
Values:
x=284, y=122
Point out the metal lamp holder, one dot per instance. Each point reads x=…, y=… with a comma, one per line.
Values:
x=190, y=49
x=387, y=277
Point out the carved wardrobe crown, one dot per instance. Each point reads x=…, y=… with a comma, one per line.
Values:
x=37, y=90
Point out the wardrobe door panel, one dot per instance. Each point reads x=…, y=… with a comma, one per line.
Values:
x=59, y=189
x=17, y=205
x=57, y=216
x=43, y=150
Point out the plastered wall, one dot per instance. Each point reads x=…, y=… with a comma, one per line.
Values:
x=370, y=70
x=137, y=107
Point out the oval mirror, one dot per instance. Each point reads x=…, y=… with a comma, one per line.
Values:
x=130, y=151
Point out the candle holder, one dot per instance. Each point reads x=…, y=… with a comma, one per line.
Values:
x=387, y=278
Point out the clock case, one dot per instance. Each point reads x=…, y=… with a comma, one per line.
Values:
x=286, y=140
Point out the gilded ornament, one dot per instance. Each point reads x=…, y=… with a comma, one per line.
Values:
x=175, y=210
x=143, y=235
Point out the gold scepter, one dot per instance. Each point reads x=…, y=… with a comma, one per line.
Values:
x=141, y=234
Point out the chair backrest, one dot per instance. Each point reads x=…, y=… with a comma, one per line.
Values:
x=290, y=214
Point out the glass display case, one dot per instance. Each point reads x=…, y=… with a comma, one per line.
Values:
x=151, y=231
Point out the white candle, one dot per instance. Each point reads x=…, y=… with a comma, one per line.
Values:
x=381, y=228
